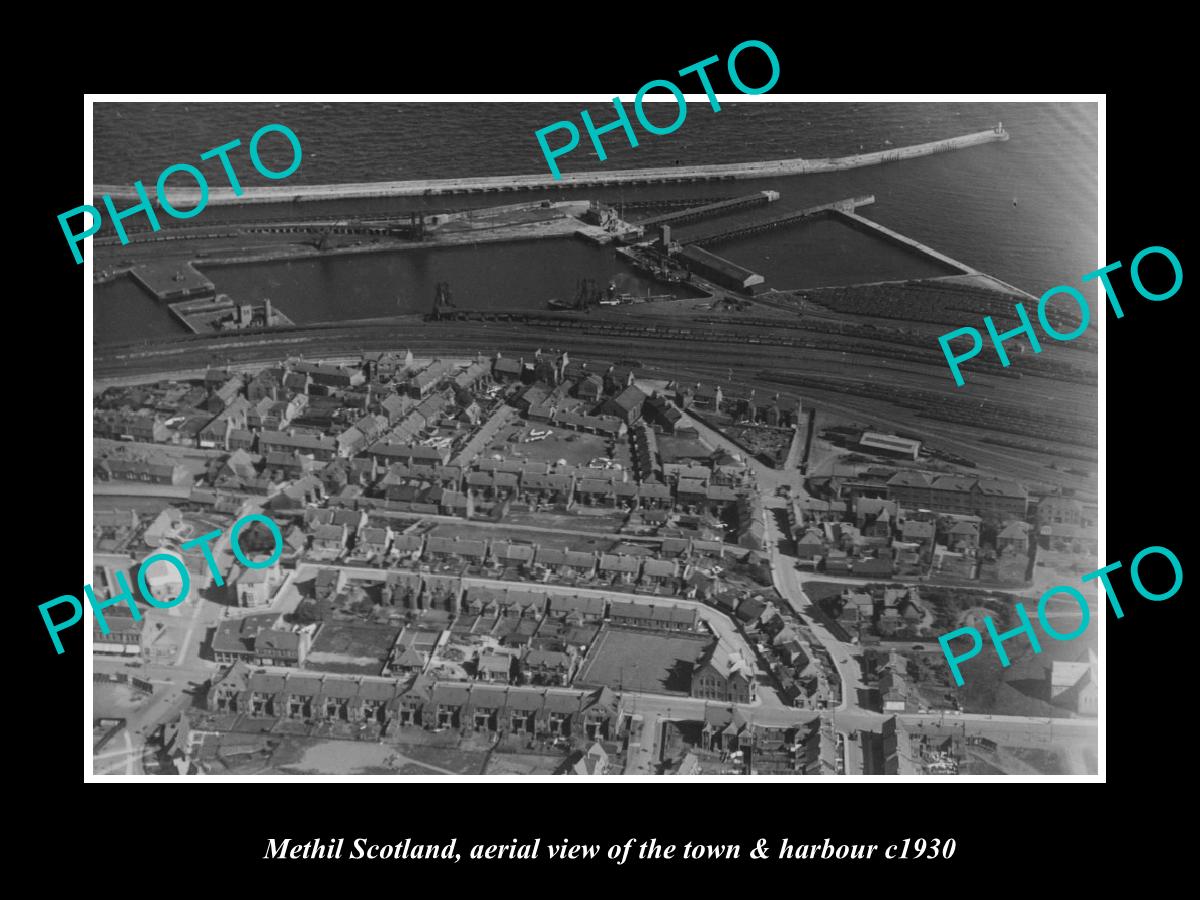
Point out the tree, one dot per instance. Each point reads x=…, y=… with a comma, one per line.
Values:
x=256, y=538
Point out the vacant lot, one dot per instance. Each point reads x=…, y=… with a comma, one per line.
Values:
x=333, y=758
x=351, y=649
x=681, y=449
x=642, y=661
x=299, y=756
x=448, y=759
x=577, y=448
x=1054, y=568
x=1020, y=689
x=522, y=764
x=110, y=700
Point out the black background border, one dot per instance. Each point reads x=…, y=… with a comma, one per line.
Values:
x=1148, y=398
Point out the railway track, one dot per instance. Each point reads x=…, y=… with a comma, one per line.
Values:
x=707, y=359
x=533, y=330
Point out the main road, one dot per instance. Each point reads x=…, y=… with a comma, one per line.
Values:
x=768, y=480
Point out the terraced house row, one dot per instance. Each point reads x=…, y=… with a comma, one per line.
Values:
x=422, y=590
x=336, y=538
x=283, y=694
x=391, y=477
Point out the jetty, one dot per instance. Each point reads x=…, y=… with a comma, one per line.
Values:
x=718, y=208
x=435, y=187
x=849, y=205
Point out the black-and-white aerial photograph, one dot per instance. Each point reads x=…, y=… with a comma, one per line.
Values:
x=482, y=439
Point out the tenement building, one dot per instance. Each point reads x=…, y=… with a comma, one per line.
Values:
x=988, y=498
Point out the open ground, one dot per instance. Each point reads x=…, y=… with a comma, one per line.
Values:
x=648, y=661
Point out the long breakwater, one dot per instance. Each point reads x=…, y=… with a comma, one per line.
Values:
x=502, y=183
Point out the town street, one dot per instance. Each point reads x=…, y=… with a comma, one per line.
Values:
x=655, y=709
x=783, y=567
x=849, y=716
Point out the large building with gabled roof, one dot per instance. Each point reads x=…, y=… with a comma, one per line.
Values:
x=723, y=675
x=989, y=498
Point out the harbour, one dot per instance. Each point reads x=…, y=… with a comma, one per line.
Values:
x=348, y=277
x=686, y=265
x=354, y=267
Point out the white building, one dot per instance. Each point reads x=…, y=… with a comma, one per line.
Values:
x=255, y=588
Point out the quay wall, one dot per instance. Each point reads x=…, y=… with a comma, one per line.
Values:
x=854, y=220
x=849, y=205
